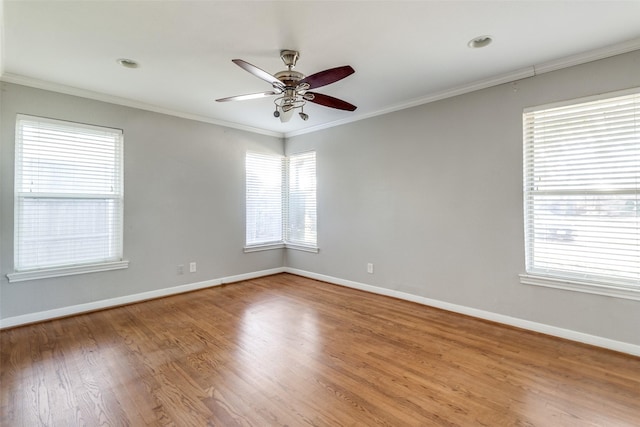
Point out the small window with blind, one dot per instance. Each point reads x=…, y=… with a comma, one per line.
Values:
x=281, y=202
x=264, y=200
x=301, y=200
x=582, y=195
x=68, y=199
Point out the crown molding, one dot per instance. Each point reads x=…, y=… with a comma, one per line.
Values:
x=592, y=55
x=530, y=71
x=432, y=97
x=97, y=96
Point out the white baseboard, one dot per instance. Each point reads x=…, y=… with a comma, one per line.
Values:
x=40, y=316
x=568, y=334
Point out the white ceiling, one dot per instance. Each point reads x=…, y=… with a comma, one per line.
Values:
x=404, y=52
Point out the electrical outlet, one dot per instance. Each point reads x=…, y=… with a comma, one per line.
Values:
x=370, y=268
x=192, y=267
x=181, y=269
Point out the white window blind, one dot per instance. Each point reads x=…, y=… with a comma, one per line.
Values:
x=68, y=194
x=301, y=200
x=264, y=199
x=281, y=201
x=582, y=190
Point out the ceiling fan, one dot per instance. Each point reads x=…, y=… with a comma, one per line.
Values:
x=294, y=87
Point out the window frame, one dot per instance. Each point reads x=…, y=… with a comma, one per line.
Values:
x=589, y=282
x=73, y=266
x=284, y=241
x=273, y=166
x=292, y=238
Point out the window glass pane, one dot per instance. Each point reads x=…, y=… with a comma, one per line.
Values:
x=302, y=200
x=281, y=199
x=59, y=232
x=69, y=194
x=582, y=190
x=61, y=158
x=264, y=176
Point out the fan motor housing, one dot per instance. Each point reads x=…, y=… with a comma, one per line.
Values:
x=289, y=77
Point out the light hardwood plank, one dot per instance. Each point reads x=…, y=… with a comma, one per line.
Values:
x=286, y=350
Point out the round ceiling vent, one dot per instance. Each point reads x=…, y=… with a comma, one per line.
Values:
x=480, y=41
x=128, y=63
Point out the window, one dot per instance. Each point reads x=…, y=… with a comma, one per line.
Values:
x=264, y=177
x=281, y=201
x=582, y=195
x=68, y=198
x=301, y=198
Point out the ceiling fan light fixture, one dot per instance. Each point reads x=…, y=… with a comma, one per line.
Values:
x=480, y=41
x=292, y=86
x=285, y=116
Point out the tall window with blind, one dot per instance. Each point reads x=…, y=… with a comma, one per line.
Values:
x=281, y=201
x=582, y=194
x=264, y=199
x=301, y=198
x=68, y=195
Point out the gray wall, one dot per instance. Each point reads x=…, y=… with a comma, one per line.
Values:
x=184, y=201
x=432, y=196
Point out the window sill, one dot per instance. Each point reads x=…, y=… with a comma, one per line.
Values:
x=312, y=249
x=47, y=273
x=267, y=247
x=598, y=288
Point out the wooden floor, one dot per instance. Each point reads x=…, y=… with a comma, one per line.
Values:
x=285, y=350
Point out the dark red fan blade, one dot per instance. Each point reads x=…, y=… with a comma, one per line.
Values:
x=330, y=101
x=326, y=77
